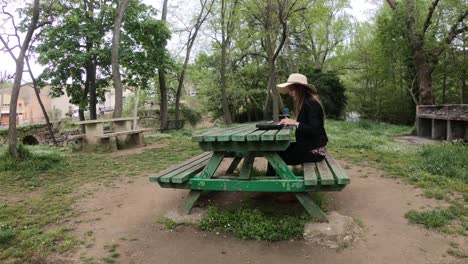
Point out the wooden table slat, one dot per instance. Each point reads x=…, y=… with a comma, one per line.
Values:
x=310, y=173
x=284, y=133
x=326, y=176
x=269, y=135
x=174, y=167
x=242, y=136
x=340, y=175
x=227, y=136
x=256, y=136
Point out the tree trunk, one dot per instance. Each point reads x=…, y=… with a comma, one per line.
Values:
x=12, y=131
x=424, y=72
x=115, y=59
x=39, y=100
x=274, y=92
x=163, y=100
x=163, y=110
x=92, y=91
x=224, y=45
x=135, y=107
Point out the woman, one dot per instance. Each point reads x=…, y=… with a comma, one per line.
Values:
x=311, y=138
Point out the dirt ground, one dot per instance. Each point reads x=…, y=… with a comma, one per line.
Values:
x=126, y=215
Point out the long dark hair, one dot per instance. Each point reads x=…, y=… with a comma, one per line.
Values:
x=303, y=93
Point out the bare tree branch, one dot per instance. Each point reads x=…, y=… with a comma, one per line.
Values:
x=427, y=23
x=392, y=4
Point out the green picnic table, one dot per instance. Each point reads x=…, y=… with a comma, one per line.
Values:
x=246, y=143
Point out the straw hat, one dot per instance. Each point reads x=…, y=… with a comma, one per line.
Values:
x=295, y=78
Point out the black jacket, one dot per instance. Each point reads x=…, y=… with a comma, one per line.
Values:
x=311, y=131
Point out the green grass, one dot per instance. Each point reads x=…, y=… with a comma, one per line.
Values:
x=39, y=193
x=440, y=169
x=260, y=220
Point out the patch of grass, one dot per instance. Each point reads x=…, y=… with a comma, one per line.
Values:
x=43, y=192
x=260, y=220
x=250, y=223
x=430, y=219
x=440, y=169
x=168, y=223
x=441, y=219
x=457, y=253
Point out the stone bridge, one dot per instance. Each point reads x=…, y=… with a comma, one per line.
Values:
x=39, y=134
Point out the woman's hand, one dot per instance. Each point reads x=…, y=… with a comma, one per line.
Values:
x=288, y=122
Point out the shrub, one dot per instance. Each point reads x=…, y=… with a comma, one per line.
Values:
x=430, y=219
x=447, y=160
x=31, y=162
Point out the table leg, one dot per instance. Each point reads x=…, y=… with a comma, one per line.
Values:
x=206, y=173
x=233, y=165
x=280, y=167
x=247, y=167
x=311, y=207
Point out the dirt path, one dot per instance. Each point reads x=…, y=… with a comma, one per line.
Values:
x=126, y=215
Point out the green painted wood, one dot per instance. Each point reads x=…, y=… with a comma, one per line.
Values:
x=311, y=207
x=242, y=136
x=247, y=167
x=310, y=173
x=170, y=185
x=280, y=167
x=269, y=135
x=227, y=136
x=338, y=172
x=184, y=176
x=212, y=165
x=233, y=165
x=285, y=133
x=247, y=186
x=177, y=166
x=326, y=176
x=190, y=201
x=187, y=168
x=199, y=138
x=244, y=146
x=256, y=135
x=212, y=136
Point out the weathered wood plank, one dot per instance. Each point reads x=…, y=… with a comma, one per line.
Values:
x=199, y=138
x=175, y=167
x=186, y=169
x=285, y=133
x=280, y=167
x=189, y=173
x=256, y=135
x=233, y=165
x=245, y=146
x=269, y=135
x=247, y=186
x=311, y=207
x=247, y=167
x=338, y=172
x=212, y=165
x=310, y=173
x=242, y=136
x=326, y=176
x=227, y=136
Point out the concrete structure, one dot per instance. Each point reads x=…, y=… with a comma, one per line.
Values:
x=29, y=111
x=448, y=122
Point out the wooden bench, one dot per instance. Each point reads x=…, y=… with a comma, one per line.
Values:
x=181, y=173
x=326, y=175
x=134, y=137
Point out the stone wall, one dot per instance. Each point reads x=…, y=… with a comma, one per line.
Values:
x=39, y=134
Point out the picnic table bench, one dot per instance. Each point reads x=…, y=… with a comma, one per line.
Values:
x=123, y=132
x=246, y=143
